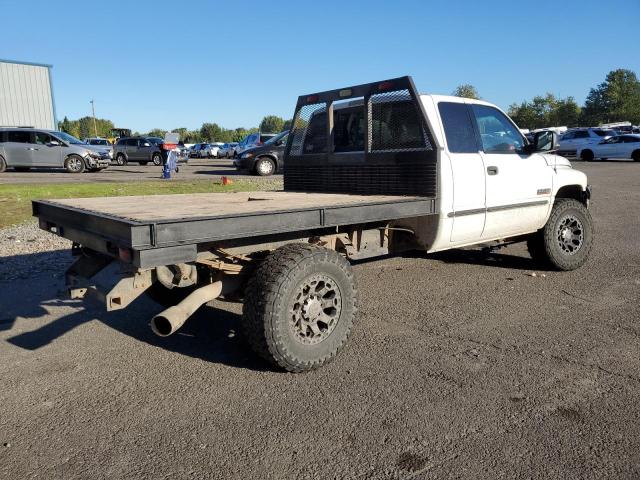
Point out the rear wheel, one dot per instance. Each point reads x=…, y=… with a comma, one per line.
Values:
x=586, y=155
x=156, y=159
x=565, y=241
x=265, y=166
x=121, y=160
x=636, y=156
x=299, y=307
x=3, y=164
x=74, y=164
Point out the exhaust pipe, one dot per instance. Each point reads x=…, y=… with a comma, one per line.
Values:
x=169, y=321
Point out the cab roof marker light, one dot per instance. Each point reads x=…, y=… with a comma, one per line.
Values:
x=345, y=92
x=312, y=98
x=385, y=86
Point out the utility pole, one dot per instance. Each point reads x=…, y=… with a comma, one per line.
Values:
x=93, y=111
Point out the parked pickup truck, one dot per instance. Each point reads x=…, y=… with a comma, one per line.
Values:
x=370, y=170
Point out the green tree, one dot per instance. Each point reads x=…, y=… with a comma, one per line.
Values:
x=546, y=111
x=466, y=90
x=211, y=132
x=614, y=100
x=272, y=124
x=157, y=132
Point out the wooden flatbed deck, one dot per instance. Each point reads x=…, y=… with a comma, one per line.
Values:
x=177, y=224
x=155, y=208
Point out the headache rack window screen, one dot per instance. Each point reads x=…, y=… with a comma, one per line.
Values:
x=309, y=130
x=395, y=123
x=376, y=141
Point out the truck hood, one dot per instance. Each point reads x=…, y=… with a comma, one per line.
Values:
x=554, y=160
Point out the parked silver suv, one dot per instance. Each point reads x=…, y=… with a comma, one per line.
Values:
x=24, y=148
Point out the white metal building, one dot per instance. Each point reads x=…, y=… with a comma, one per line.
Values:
x=26, y=95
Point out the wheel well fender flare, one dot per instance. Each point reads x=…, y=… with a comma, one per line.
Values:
x=573, y=191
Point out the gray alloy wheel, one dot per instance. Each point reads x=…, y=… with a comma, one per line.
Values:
x=121, y=160
x=570, y=234
x=74, y=164
x=156, y=159
x=265, y=167
x=315, y=309
x=3, y=164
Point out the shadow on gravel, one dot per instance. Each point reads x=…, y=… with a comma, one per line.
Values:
x=211, y=334
x=479, y=257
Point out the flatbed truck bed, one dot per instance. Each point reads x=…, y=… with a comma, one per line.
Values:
x=162, y=228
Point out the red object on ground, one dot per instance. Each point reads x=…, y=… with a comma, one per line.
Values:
x=226, y=181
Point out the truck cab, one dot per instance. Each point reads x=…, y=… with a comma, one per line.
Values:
x=494, y=183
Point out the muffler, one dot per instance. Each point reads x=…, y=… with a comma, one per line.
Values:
x=169, y=321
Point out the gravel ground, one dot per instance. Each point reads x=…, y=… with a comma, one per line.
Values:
x=460, y=366
x=21, y=245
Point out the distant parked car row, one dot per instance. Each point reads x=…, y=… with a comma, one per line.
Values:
x=601, y=143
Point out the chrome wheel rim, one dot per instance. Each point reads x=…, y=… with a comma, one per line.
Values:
x=570, y=234
x=315, y=309
x=156, y=160
x=74, y=164
x=265, y=167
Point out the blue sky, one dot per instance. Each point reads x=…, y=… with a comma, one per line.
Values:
x=175, y=64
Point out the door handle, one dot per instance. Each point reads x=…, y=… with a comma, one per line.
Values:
x=492, y=170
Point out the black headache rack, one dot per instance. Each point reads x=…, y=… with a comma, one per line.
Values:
x=364, y=139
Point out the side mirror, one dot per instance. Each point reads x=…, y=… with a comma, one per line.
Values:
x=54, y=143
x=146, y=144
x=545, y=141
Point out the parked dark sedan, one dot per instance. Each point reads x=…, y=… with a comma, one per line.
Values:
x=266, y=159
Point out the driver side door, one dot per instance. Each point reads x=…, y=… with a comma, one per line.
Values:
x=518, y=185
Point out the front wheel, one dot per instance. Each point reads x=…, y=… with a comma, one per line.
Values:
x=566, y=240
x=299, y=307
x=636, y=156
x=265, y=167
x=3, y=164
x=121, y=160
x=156, y=159
x=74, y=164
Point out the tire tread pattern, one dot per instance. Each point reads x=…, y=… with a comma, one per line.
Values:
x=265, y=296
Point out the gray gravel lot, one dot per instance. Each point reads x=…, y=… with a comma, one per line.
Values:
x=196, y=168
x=460, y=366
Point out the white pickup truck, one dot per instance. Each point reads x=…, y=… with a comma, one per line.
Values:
x=370, y=170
